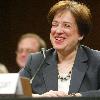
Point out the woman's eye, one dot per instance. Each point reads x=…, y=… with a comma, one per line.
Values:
x=67, y=25
x=54, y=24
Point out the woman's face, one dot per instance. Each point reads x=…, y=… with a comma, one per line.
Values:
x=64, y=31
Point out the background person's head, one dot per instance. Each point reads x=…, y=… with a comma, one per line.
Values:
x=3, y=68
x=28, y=43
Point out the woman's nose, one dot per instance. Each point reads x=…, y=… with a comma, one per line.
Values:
x=59, y=30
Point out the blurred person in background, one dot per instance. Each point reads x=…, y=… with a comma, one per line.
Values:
x=28, y=43
x=3, y=68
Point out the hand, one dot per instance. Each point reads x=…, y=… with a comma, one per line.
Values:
x=78, y=94
x=75, y=95
x=51, y=93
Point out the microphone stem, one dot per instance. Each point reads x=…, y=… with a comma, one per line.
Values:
x=44, y=56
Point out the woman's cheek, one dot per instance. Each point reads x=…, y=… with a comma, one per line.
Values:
x=53, y=30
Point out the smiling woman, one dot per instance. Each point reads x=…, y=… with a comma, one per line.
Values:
x=68, y=59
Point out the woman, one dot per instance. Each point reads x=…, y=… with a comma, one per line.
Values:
x=68, y=67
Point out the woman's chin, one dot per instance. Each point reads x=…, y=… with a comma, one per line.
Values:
x=58, y=47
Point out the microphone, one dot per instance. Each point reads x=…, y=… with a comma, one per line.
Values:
x=43, y=51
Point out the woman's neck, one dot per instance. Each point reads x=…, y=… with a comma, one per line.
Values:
x=67, y=56
x=66, y=61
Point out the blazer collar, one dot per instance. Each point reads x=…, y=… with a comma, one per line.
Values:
x=79, y=69
x=50, y=72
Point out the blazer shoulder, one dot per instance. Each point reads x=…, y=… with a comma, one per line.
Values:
x=38, y=56
x=91, y=53
x=35, y=56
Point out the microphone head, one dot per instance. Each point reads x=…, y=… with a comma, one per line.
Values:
x=43, y=51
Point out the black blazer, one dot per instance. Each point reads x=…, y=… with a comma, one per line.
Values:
x=85, y=73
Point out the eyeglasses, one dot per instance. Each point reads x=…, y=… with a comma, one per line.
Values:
x=20, y=51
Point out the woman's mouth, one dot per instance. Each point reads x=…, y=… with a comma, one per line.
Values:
x=59, y=39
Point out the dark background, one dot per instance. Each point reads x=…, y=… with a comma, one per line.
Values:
x=20, y=16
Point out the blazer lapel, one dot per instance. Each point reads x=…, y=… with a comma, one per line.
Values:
x=78, y=71
x=50, y=73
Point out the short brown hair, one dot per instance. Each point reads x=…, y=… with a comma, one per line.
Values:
x=41, y=42
x=79, y=10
